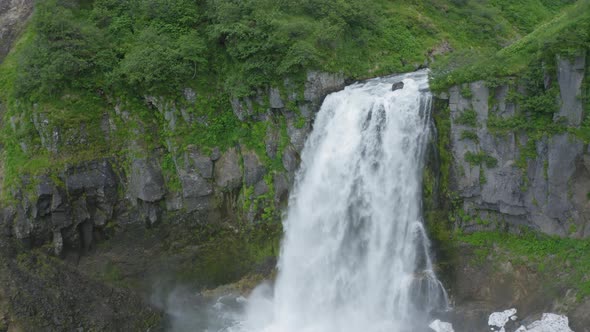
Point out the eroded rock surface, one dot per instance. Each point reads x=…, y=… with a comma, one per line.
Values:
x=546, y=194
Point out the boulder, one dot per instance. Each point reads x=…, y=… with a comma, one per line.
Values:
x=194, y=185
x=228, y=174
x=241, y=111
x=190, y=95
x=89, y=177
x=196, y=180
x=200, y=162
x=397, y=86
x=440, y=326
x=146, y=181
x=548, y=322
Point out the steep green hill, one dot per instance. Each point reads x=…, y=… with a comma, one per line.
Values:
x=78, y=59
x=565, y=34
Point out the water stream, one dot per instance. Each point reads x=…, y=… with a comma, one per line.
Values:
x=355, y=255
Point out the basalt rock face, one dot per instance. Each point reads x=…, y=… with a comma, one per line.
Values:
x=546, y=190
x=140, y=216
x=73, y=208
x=67, y=208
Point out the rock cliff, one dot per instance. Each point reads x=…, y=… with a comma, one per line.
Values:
x=509, y=171
x=146, y=216
x=73, y=207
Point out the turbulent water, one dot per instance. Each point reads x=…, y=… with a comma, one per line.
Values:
x=355, y=254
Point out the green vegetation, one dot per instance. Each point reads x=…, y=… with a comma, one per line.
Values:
x=469, y=135
x=466, y=92
x=438, y=203
x=480, y=158
x=536, y=111
x=442, y=120
x=157, y=45
x=565, y=34
x=467, y=118
x=482, y=177
x=112, y=274
x=224, y=256
x=551, y=255
x=81, y=62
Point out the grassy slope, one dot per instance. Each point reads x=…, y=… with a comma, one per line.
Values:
x=565, y=34
x=566, y=260
x=399, y=37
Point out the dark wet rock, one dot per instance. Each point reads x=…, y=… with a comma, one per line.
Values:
x=271, y=142
x=215, y=154
x=194, y=185
x=397, y=86
x=28, y=287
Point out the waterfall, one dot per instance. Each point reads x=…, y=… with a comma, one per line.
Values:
x=355, y=255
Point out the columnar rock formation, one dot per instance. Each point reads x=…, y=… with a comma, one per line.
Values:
x=549, y=191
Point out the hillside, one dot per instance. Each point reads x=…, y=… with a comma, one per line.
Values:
x=148, y=140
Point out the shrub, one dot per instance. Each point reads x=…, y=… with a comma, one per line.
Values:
x=467, y=118
x=65, y=53
x=467, y=134
x=480, y=158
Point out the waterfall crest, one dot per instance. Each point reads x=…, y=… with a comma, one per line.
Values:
x=355, y=255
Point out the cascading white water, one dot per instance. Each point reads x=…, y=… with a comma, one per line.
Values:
x=355, y=256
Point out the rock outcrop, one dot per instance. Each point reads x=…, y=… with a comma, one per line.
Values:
x=143, y=212
x=72, y=208
x=13, y=16
x=501, y=187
